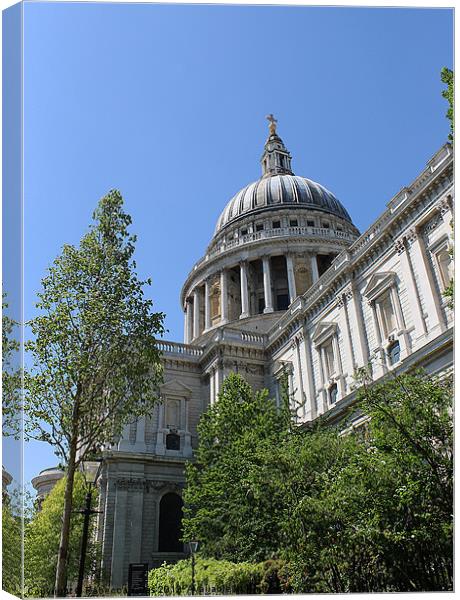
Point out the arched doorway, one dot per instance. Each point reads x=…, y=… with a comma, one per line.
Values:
x=170, y=529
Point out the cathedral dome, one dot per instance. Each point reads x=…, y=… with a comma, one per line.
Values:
x=280, y=190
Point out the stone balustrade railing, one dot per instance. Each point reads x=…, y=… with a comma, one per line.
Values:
x=179, y=349
x=228, y=334
x=266, y=234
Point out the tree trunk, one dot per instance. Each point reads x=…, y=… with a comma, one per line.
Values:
x=61, y=568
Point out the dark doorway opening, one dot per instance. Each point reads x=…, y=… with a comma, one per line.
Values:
x=172, y=441
x=170, y=530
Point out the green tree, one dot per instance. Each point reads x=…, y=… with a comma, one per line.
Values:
x=96, y=361
x=226, y=507
x=447, y=77
x=11, y=547
x=373, y=512
x=42, y=536
x=11, y=375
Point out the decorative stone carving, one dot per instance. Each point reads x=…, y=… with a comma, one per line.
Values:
x=443, y=205
x=399, y=245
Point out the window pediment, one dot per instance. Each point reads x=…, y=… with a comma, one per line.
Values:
x=379, y=283
x=323, y=332
x=174, y=388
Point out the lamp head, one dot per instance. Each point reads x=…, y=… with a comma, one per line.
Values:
x=193, y=547
x=91, y=470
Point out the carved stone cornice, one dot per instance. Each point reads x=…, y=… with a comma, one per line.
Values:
x=147, y=485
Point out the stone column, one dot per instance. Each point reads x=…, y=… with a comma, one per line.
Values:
x=297, y=342
x=244, y=290
x=207, y=305
x=267, y=285
x=356, y=317
x=310, y=376
x=314, y=268
x=189, y=320
x=223, y=297
x=343, y=304
x=427, y=284
x=408, y=276
x=196, y=313
x=291, y=278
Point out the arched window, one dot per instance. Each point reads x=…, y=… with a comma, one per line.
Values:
x=445, y=266
x=170, y=530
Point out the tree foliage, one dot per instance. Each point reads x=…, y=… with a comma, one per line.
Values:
x=363, y=510
x=11, y=547
x=447, y=77
x=96, y=365
x=11, y=375
x=42, y=536
x=225, y=505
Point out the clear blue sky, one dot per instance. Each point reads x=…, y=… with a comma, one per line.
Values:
x=168, y=104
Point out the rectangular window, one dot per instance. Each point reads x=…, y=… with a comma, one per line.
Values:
x=244, y=231
x=326, y=225
x=293, y=223
x=172, y=413
x=276, y=224
x=261, y=306
x=259, y=227
x=394, y=353
x=282, y=302
x=333, y=394
x=387, y=313
x=330, y=362
x=310, y=223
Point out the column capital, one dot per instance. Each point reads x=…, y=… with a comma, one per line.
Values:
x=399, y=245
x=412, y=234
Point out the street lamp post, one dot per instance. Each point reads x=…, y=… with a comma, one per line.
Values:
x=193, y=548
x=91, y=471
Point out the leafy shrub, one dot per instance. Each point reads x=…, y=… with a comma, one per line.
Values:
x=219, y=577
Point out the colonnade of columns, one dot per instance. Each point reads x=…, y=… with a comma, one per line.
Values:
x=202, y=294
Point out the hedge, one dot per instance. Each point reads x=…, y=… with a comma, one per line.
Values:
x=219, y=577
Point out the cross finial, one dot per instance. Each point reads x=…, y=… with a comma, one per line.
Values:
x=273, y=122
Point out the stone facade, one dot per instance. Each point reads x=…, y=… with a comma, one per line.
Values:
x=287, y=285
